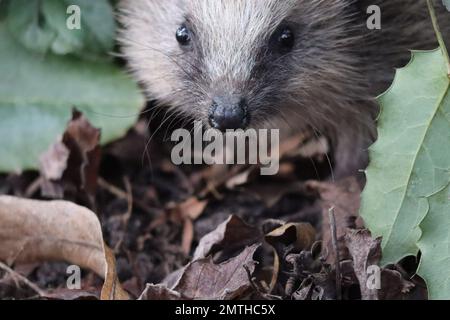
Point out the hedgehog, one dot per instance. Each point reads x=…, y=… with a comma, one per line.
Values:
x=295, y=65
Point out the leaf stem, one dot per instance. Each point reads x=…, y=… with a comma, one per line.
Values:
x=437, y=30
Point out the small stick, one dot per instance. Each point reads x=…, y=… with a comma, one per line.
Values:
x=33, y=187
x=438, y=32
x=336, y=249
x=126, y=217
x=23, y=279
x=119, y=193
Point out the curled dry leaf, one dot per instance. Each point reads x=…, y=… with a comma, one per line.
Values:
x=83, y=140
x=38, y=231
x=300, y=236
x=310, y=278
x=112, y=289
x=366, y=252
x=229, y=236
x=395, y=287
x=203, y=279
x=74, y=159
x=288, y=237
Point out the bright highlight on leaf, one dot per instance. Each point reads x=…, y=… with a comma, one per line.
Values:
x=446, y=4
x=409, y=175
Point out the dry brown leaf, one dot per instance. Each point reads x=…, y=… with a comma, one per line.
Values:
x=112, y=290
x=53, y=163
x=39, y=231
x=295, y=236
x=192, y=208
x=344, y=198
x=239, y=179
x=203, y=279
x=83, y=141
x=74, y=159
x=366, y=252
x=394, y=286
x=300, y=236
x=230, y=235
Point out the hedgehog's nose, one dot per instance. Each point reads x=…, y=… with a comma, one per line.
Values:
x=228, y=113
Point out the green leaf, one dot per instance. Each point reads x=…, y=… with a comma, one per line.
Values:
x=97, y=33
x=27, y=24
x=435, y=246
x=410, y=162
x=41, y=26
x=38, y=92
x=446, y=4
x=66, y=41
x=4, y=4
x=97, y=18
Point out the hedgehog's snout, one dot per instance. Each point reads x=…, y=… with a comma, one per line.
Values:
x=229, y=113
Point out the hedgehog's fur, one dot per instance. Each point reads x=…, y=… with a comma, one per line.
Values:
x=328, y=82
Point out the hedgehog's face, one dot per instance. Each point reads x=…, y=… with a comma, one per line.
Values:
x=238, y=63
x=233, y=57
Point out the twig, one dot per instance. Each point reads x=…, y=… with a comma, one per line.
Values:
x=126, y=217
x=336, y=249
x=267, y=296
x=119, y=193
x=128, y=188
x=276, y=271
x=211, y=187
x=33, y=187
x=437, y=30
x=23, y=279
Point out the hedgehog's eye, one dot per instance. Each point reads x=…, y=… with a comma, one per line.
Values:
x=183, y=35
x=286, y=38
x=283, y=39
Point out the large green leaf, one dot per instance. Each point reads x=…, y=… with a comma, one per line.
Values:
x=41, y=25
x=435, y=246
x=37, y=94
x=409, y=173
